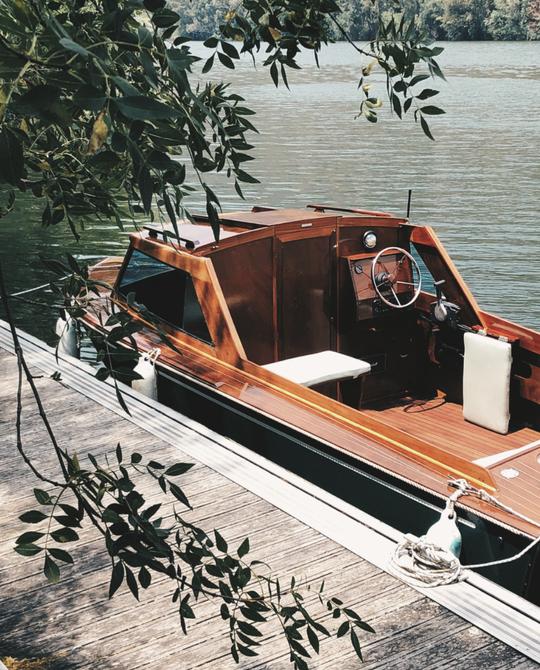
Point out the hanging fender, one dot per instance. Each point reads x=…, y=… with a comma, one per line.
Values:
x=146, y=368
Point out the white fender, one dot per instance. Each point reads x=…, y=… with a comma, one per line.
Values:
x=444, y=533
x=146, y=368
x=66, y=330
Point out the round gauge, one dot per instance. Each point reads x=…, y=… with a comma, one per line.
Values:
x=370, y=239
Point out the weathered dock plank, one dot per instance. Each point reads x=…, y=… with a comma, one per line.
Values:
x=74, y=621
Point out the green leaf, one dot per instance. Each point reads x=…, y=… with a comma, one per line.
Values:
x=396, y=104
x=117, y=576
x=30, y=536
x=229, y=49
x=185, y=609
x=124, y=85
x=418, y=78
x=12, y=163
x=43, y=101
x=179, y=494
x=356, y=644
x=234, y=654
x=427, y=93
x=246, y=651
x=71, y=511
x=430, y=109
x=425, y=128
x=42, y=497
x=136, y=457
x=28, y=549
x=67, y=521
x=64, y=535
x=313, y=639
x=249, y=629
x=343, y=629
x=208, y=65
x=51, y=570
x=146, y=188
x=211, y=43
x=243, y=549
x=119, y=453
x=132, y=583
x=274, y=74
x=142, y=108
x=225, y=60
x=364, y=626
x=221, y=544
x=179, y=61
x=60, y=555
x=70, y=45
x=178, y=469
x=145, y=578
x=145, y=37
x=163, y=18
x=154, y=5
x=34, y=516
x=245, y=177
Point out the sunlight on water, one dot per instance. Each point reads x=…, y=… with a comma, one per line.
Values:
x=478, y=184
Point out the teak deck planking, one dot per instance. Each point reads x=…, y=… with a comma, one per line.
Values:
x=73, y=621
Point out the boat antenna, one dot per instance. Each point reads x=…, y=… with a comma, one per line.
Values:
x=409, y=203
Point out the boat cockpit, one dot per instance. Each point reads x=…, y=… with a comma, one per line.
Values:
x=362, y=307
x=286, y=284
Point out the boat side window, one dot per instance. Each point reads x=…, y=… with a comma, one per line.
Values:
x=166, y=291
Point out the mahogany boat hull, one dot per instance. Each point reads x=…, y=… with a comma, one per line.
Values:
x=390, y=499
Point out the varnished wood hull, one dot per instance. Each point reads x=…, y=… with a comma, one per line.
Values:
x=387, y=497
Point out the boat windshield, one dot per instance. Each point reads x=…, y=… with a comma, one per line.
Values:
x=166, y=291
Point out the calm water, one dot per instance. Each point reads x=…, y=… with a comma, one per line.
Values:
x=478, y=185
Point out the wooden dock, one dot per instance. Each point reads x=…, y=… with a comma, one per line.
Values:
x=74, y=624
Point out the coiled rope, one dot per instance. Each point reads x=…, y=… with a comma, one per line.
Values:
x=420, y=562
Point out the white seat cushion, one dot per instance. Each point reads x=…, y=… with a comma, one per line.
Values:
x=317, y=368
x=486, y=382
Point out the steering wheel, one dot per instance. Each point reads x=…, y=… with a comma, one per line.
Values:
x=385, y=281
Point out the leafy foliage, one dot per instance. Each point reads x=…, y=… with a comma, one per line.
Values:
x=148, y=541
x=101, y=115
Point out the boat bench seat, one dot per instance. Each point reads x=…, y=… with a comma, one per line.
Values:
x=324, y=366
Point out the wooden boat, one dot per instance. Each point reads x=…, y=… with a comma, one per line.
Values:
x=344, y=344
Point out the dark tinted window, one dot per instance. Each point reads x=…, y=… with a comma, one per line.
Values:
x=166, y=291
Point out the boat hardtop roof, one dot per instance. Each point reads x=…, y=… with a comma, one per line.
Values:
x=192, y=236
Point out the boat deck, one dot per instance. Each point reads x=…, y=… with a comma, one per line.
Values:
x=75, y=625
x=441, y=423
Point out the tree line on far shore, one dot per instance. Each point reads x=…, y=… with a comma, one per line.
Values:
x=441, y=19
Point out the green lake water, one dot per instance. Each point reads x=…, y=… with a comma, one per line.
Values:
x=478, y=184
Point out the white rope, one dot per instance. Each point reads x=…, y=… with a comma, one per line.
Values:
x=422, y=563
